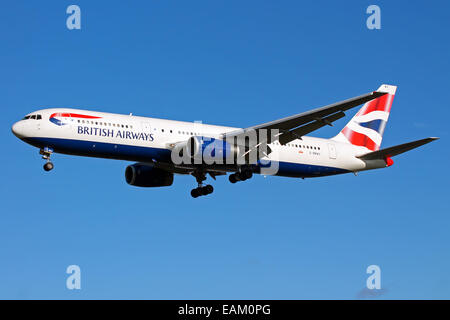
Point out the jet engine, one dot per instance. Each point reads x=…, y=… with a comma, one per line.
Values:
x=142, y=175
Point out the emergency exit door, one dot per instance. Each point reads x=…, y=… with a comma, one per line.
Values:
x=332, y=150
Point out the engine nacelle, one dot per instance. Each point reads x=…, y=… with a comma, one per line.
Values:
x=210, y=149
x=142, y=175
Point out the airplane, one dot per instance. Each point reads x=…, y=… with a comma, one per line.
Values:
x=157, y=145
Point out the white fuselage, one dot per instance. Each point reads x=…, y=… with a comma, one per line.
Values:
x=142, y=139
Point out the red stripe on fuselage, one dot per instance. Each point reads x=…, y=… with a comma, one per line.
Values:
x=73, y=115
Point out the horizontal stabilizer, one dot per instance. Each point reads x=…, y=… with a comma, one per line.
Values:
x=395, y=150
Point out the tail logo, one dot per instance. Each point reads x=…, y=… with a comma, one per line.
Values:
x=367, y=126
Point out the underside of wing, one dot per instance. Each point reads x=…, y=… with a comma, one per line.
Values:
x=296, y=126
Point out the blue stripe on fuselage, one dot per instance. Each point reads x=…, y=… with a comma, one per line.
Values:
x=300, y=170
x=101, y=149
x=147, y=154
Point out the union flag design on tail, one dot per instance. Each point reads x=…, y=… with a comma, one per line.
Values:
x=366, y=128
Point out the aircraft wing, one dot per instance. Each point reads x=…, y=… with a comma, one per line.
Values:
x=296, y=126
x=396, y=150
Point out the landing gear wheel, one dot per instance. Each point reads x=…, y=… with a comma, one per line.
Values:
x=202, y=191
x=240, y=176
x=208, y=189
x=46, y=153
x=48, y=166
x=195, y=193
x=232, y=178
x=246, y=174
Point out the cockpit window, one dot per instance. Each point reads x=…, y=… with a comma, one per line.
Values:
x=33, y=116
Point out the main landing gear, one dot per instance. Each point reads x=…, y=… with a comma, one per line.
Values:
x=240, y=176
x=46, y=153
x=201, y=190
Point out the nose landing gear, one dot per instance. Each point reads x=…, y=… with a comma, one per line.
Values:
x=46, y=153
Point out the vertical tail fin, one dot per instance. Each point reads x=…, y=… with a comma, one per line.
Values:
x=367, y=126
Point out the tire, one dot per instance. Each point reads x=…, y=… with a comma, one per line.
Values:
x=209, y=189
x=203, y=191
x=242, y=176
x=195, y=193
x=232, y=178
x=247, y=174
x=48, y=166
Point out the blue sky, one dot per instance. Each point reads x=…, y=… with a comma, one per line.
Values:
x=236, y=63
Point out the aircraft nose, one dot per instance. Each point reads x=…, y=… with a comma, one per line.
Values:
x=17, y=129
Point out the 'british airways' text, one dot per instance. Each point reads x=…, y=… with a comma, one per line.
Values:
x=112, y=133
